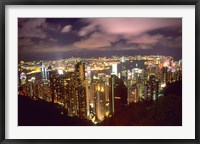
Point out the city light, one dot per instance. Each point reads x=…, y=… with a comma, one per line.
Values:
x=32, y=78
x=163, y=85
x=94, y=94
x=114, y=69
x=60, y=72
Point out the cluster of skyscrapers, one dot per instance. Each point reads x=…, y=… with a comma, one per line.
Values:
x=95, y=95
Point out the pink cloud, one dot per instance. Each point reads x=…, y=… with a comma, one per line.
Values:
x=32, y=28
x=146, y=39
x=66, y=29
x=95, y=40
x=86, y=30
x=128, y=26
x=175, y=42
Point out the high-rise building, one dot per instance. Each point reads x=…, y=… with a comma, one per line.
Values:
x=118, y=94
x=112, y=95
x=80, y=86
x=88, y=74
x=68, y=92
x=71, y=95
x=57, y=86
x=100, y=102
x=80, y=71
x=49, y=68
x=87, y=88
x=124, y=73
x=107, y=93
x=43, y=71
x=82, y=103
x=114, y=69
x=137, y=75
x=154, y=86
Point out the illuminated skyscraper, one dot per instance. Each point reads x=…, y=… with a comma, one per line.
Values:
x=80, y=71
x=48, y=71
x=82, y=104
x=80, y=86
x=107, y=93
x=93, y=89
x=87, y=88
x=112, y=96
x=154, y=86
x=71, y=95
x=123, y=69
x=43, y=71
x=114, y=69
x=88, y=74
x=100, y=102
x=57, y=86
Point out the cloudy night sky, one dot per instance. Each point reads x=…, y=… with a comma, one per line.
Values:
x=56, y=38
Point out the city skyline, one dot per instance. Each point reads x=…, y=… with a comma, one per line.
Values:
x=58, y=38
x=99, y=89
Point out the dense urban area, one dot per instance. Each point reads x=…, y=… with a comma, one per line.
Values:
x=125, y=90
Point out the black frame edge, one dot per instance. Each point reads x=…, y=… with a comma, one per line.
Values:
x=2, y=75
x=197, y=70
x=103, y=2
x=100, y=2
x=104, y=141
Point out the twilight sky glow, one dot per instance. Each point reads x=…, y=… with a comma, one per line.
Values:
x=56, y=38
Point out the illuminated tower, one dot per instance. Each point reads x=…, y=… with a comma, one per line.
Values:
x=82, y=104
x=71, y=95
x=80, y=86
x=123, y=70
x=43, y=71
x=80, y=71
x=114, y=69
x=48, y=71
x=87, y=87
x=54, y=85
x=88, y=74
x=87, y=96
x=107, y=92
x=100, y=101
x=112, y=98
x=154, y=86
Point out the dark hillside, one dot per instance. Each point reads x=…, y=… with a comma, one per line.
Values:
x=41, y=113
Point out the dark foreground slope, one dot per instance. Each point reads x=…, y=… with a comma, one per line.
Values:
x=166, y=111
x=41, y=113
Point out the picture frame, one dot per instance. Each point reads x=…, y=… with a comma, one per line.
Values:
x=97, y=2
